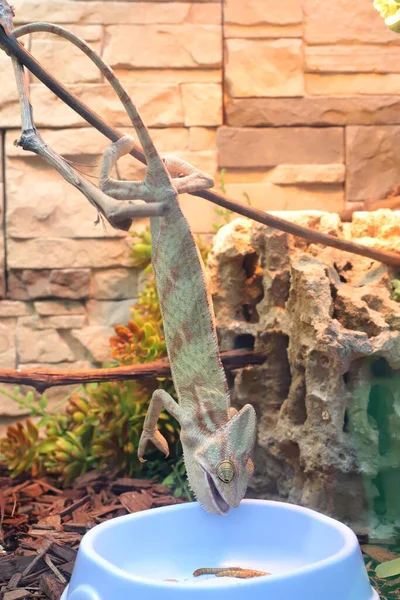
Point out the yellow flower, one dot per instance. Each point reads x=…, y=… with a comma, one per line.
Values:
x=386, y=8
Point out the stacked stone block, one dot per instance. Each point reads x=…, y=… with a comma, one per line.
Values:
x=66, y=282
x=315, y=85
x=298, y=101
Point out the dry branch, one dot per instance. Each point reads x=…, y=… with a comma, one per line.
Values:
x=15, y=49
x=41, y=379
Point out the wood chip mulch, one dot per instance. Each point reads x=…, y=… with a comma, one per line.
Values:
x=41, y=526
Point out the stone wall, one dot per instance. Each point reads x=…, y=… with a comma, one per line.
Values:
x=299, y=102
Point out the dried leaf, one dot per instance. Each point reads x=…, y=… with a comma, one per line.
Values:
x=378, y=553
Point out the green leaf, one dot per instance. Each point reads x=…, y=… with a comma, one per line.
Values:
x=46, y=446
x=389, y=568
x=169, y=480
x=43, y=402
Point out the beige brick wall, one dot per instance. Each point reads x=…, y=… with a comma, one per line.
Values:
x=298, y=100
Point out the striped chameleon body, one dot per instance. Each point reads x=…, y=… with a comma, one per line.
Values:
x=217, y=440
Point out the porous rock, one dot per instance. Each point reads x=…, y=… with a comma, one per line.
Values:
x=326, y=398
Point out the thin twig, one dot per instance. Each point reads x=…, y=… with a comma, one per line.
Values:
x=53, y=567
x=41, y=379
x=70, y=509
x=14, y=48
x=45, y=548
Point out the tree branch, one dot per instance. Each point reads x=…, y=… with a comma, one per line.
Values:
x=41, y=379
x=14, y=48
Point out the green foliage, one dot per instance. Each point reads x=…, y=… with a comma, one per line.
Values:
x=100, y=428
x=102, y=423
x=389, y=568
x=141, y=250
x=390, y=12
x=142, y=339
x=21, y=449
x=396, y=289
x=384, y=576
x=225, y=214
x=386, y=8
x=177, y=481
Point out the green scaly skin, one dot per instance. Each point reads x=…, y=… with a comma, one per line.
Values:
x=217, y=440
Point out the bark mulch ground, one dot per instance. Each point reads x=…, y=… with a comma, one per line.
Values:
x=41, y=526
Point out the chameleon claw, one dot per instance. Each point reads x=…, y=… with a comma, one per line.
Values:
x=157, y=439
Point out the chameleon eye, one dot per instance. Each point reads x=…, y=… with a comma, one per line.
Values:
x=226, y=471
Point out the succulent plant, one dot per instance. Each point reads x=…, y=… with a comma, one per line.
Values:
x=22, y=449
x=142, y=339
x=390, y=12
x=102, y=423
x=141, y=250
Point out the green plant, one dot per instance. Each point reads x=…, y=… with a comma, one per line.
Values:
x=396, y=289
x=102, y=423
x=225, y=213
x=141, y=249
x=390, y=12
x=100, y=428
x=22, y=450
x=177, y=480
x=142, y=339
x=389, y=568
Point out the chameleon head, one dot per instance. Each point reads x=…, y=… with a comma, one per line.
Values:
x=220, y=470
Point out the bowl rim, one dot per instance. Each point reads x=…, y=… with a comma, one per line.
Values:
x=350, y=544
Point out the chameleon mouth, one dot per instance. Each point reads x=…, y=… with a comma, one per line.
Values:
x=223, y=507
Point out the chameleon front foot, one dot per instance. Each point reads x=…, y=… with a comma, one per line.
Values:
x=150, y=433
x=156, y=438
x=237, y=572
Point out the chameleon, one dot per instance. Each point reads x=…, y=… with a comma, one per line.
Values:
x=217, y=440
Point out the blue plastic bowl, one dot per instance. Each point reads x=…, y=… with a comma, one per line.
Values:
x=310, y=556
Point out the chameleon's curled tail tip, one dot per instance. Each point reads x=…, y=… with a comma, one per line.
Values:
x=126, y=142
x=141, y=459
x=208, y=181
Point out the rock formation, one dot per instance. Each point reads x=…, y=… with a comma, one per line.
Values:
x=328, y=397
